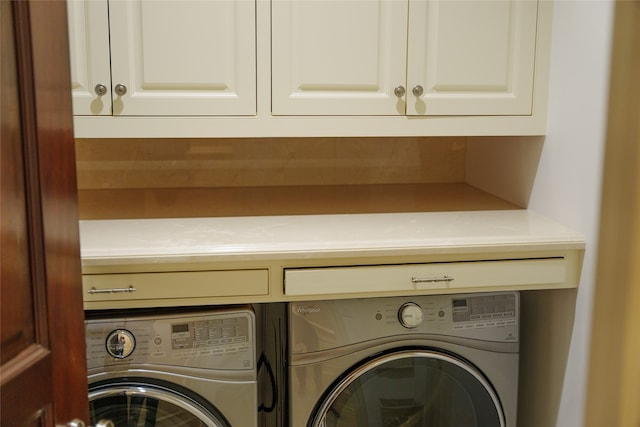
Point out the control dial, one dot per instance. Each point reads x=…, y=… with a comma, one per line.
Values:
x=120, y=343
x=410, y=315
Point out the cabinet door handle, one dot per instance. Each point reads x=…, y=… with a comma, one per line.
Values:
x=120, y=89
x=399, y=91
x=417, y=91
x=94, y=291
x=431, y=279
x=100, y=89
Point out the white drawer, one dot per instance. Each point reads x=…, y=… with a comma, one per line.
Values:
x=414, y=277
x=172, y=285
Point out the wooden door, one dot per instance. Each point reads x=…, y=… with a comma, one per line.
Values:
x=183, y=57
x=338, y=57
x=471, y=57
x=90, y=59
x=43, y=378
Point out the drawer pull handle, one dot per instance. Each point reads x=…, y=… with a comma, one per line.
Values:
x=431, y=279
x=112, y=290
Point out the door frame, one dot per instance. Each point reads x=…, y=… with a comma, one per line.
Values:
x=614, y=372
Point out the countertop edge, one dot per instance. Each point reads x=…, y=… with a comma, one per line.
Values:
x=112, y=242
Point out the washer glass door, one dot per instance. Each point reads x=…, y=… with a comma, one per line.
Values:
x=411, y=388
x=149, y=405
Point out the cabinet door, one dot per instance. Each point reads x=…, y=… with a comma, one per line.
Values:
x=183, y=57
x=341, y=57
x=471, y=57
x=89, y=56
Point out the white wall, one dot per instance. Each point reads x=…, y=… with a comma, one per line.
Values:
x=567, y=185
x=560, y=177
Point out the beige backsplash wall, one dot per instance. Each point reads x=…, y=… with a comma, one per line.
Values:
x=224, y=163
x=145, y=178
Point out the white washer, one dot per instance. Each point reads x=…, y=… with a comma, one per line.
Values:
x=445, y=360
x=174, y=369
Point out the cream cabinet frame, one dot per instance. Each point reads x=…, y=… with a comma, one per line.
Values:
x=350, y=122
x=224, y=260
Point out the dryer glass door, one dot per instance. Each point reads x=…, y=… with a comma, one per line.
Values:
x=151, y=405
x=411, y=388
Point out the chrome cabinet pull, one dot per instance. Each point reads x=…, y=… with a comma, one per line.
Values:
x=100, y=89
x=120, y=89
x=399, y=91
x=418, y=91
x=93, y=290
x=431, y=279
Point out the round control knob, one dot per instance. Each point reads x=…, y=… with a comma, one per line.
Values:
x=410, y=315
x=121, y=343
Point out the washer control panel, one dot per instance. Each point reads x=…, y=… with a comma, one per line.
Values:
x=210, y=340
x=120, y=343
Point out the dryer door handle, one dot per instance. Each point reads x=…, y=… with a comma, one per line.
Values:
x=79, y=423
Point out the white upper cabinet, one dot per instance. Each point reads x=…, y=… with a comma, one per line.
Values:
x=167, y=57
x=309, y=68
x=360, y=57
x=89, y=54
x=338, y=57
x=471, y=57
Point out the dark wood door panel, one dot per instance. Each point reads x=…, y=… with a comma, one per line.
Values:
x=43, y=378
x=17, y=313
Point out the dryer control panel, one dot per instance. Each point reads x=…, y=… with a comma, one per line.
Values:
x=210, y=340
x=483, y=317
x=484, y=311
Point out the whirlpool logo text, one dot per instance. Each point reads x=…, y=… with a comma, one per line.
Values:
x=304, y=310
